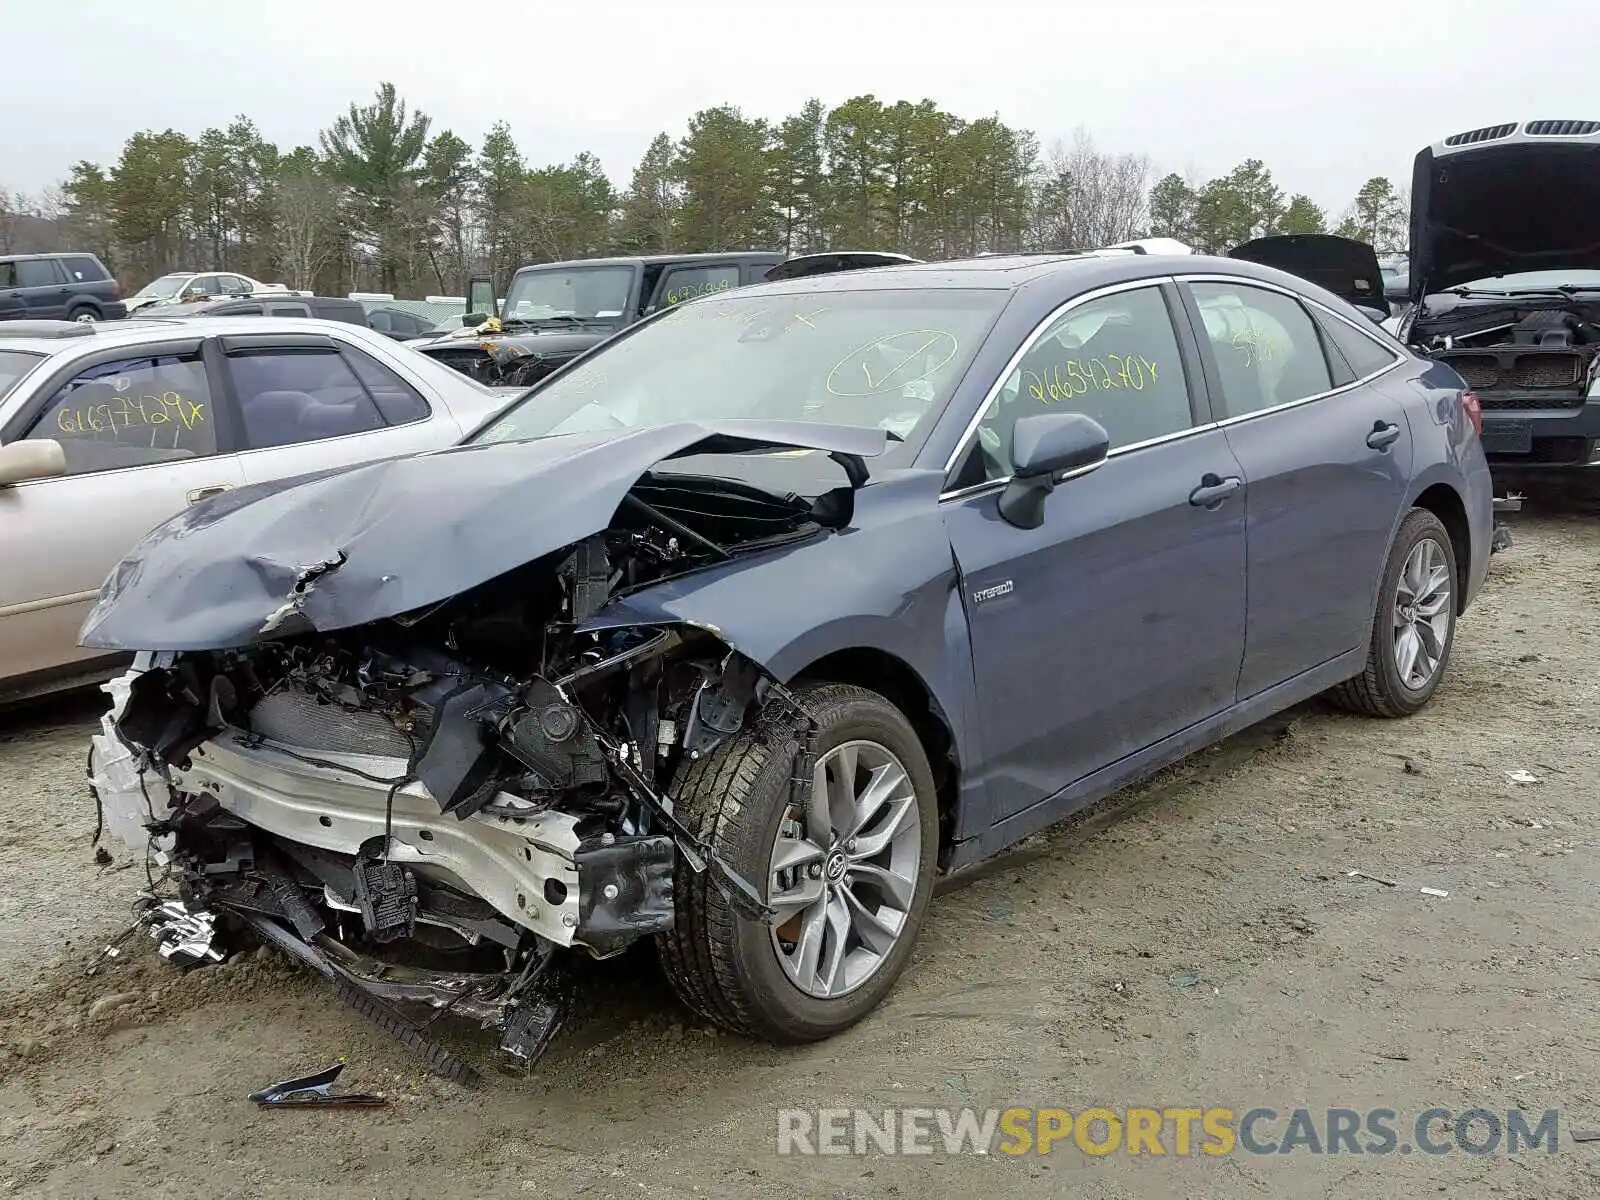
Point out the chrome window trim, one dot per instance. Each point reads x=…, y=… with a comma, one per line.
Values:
x=1242, y=281
x=964, y=444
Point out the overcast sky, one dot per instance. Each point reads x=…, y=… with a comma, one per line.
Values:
x=1326, y=93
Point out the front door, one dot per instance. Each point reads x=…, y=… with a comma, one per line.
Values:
x=1120, y=620
x=1327, y=461
x=140, y=439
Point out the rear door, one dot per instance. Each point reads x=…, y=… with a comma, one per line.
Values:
x=307, y=402
x=41, y=285
x=1327, y=461
x=140, y=431
x=689, y=281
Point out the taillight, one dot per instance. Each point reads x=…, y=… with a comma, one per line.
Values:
x=1473, y=407
x=116, y=290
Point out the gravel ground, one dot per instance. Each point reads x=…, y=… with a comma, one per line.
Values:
x=1196, y=941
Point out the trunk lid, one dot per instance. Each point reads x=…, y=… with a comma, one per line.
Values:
x=1347, y=268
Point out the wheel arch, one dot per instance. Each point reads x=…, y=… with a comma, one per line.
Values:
x=1445, y=502
x=894, y=679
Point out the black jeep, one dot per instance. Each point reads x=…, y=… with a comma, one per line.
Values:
x=555, y=311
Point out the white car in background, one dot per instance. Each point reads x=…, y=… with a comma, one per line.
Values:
x=184, y=285
x=108, y=429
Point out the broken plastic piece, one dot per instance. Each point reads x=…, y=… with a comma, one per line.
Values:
x=1523, y=777
x=1374, y=878
x=182, y=935
x=1432, y=891
x=314, y=1091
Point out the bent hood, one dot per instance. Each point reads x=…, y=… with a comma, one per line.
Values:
x=1514, y=197
x=1347, y=268
x=341, y=548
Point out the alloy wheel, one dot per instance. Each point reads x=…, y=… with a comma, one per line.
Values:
x=844, y=870
x=1423, y=611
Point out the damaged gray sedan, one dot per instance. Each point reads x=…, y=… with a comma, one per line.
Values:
x=733, y=632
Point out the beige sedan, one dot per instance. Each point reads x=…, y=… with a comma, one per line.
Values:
x=107, y=430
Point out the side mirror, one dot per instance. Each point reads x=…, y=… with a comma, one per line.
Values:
x=32, y=459
x=473, y=318
x=1046, y=449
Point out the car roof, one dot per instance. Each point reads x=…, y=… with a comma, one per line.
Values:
x=57, y=337
x=48, y=254
x=631, y=260
x=1011, y=271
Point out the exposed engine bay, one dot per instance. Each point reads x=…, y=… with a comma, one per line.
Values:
x=441, y=807
x=1535, y=354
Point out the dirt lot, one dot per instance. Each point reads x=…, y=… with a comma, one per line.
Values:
x=1062, y=975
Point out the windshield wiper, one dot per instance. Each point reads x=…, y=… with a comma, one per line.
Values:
x=1560, y=289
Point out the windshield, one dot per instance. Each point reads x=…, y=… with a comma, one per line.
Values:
x=879, y=359
x=587, y=293
x=167, y=285
x=14, y=364
x=1530, y=281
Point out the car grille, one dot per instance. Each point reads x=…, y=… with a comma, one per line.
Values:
x=1532, y=380
x=297, y=718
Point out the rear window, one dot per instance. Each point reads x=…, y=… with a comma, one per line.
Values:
x=81, y=268
x=14, y=364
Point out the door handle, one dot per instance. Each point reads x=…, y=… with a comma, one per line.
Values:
x=1384, y=434
x=205, y=493
x=1213, y=490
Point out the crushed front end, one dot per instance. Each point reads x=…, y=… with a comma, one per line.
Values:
x=440, y=809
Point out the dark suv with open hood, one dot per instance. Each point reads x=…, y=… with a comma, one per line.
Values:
x=1505, y=283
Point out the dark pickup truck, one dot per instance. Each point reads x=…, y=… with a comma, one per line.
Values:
x=555, y=311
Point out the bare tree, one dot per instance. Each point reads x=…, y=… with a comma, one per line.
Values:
x=307, y=222
x=1087, y=198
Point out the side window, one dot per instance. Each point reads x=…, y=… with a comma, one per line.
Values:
x=8, y=274
x=1366, y=355
x=131, y=413
x=286, y=310
x=38, y=272
x=83, y=269
x=396, y=399
x=1265, y=346
x=235, y=286
x=380, y=320
x=1115, y=359
x=293, y=395
x=686, y=283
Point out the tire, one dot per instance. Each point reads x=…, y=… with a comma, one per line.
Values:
x=1381, y=690
x=730, y=969
x=84, y=313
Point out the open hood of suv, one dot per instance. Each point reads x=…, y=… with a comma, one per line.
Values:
x=1347, y=268
x=1514, y=197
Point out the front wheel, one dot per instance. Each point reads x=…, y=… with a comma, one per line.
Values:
x=1414, y=626
x=850, y=872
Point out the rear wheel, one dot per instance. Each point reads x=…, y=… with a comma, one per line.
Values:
x=1414, y=627
x=85, y=314
x=850, y=873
